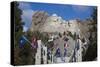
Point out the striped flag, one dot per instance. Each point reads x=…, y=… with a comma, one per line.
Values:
x=34, y=42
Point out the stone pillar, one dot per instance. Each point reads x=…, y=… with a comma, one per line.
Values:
x=52, y=58
x=79, y=52
x=45, y=54
x=38, y=54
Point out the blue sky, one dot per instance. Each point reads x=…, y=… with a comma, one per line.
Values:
x=67, y=12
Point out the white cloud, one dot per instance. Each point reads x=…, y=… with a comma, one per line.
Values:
x=27, y=14
x=54, y=14
x=25, y=28
x=24, y=5
x=27, y=17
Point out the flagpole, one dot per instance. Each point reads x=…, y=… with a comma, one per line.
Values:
x=27, y=40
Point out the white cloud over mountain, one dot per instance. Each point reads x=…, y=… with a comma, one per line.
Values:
x=27, y=13
x=24, y=6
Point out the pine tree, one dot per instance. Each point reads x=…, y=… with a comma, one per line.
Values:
x=22, y=56
x=17, y=32
x=91, y=53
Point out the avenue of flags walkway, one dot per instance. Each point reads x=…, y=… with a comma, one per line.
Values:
x=58, y=55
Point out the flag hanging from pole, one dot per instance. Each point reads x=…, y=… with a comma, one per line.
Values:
x=22, y=41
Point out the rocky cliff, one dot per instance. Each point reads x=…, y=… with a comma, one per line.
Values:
x=44, y=23
x=38, y=20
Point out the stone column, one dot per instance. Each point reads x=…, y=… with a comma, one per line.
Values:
x=79, y=52
x=38, y=54
x=45, y=54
